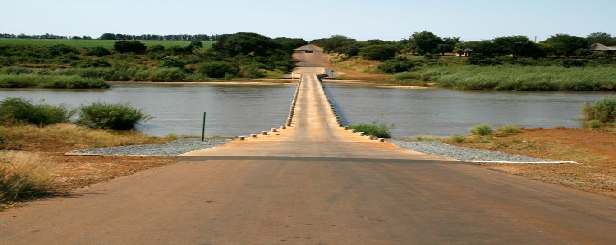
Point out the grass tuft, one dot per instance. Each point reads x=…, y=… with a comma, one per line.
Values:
x=373, y=129
x=23, y=176
x=482, y=130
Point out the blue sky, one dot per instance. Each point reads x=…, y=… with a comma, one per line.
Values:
x=361, y=19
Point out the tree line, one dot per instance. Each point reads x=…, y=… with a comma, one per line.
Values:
x=118, y=36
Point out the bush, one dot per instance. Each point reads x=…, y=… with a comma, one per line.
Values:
x=482, y=130
x=17, y=110
x=593, y=124
x=373, y=129
x=111, y=116
x=457, y=138
x=167, y=75
x=396, y=66
x=50, y=81
x=378, y=52
x=98, y=51
x=218, y=69
x=130, y=47
x=603, y=111
x=509, y=129
x=170, y=62
x=23, y=176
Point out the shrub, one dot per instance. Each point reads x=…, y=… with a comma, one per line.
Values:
x=603, y=110
x=251, y=71
x=593, y=124
x=61, y=49
x=98, y=51
x=130, y=47
x=509, y=129
x=170, y=62
x=50, y=81
x=373, y=129
x=396, y=66
x=457, y=138
x=167, y=75
x=378, y=52
x=482, y=130
x=111, y=116
x=17, y=110
x=218, y=69
x=22, y=176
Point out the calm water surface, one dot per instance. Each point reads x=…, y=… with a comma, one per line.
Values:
x=232, y=110
x=240, y=110
x=447, y=112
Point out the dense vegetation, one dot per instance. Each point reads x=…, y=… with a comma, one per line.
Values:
x=562, y=62
x=96, y=115
x=372, y=129
x=600, y=113
x=50, y=81
x=247, y=55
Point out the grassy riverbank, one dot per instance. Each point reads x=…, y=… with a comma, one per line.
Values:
x=50, y=81
x=517, y=78
x=33, y=164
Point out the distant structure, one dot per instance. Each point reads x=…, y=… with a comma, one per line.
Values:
x=598, y=47
x=309, y=49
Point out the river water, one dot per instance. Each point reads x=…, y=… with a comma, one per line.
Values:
x=447, y=112
x=239, y=110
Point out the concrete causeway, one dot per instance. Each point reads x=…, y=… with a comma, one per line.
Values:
x=314, y=132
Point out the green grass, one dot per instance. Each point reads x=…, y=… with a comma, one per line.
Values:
x=91, y=43
x=517, y=78
x=600, y=112
x=50, y=81
x=372, y=129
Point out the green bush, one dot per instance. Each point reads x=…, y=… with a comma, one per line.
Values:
x=17, y=110
x=397, y=66
x=130, y=47
x=593, y=124
x=171, y=62
x=510, y=129
x=457, y=138
x=98, y=51
x=50, y=81
x=373, y=129
x=482, y=130
x=218, y=69
x=379, y=52
x=167, y=75
x=111, y=116
x=603, y=110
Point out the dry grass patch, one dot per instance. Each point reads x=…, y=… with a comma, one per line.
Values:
x=66, y=137
x=594, y=149
x=24, y=175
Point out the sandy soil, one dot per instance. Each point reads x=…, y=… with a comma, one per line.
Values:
x=595, y=150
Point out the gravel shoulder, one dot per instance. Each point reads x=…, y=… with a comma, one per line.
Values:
x=463, y=153
x=173, y=148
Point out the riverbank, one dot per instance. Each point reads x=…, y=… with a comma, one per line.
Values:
x=593, y=149
x=41, y=151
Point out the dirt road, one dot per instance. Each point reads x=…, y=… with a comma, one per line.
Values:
x=315, y=183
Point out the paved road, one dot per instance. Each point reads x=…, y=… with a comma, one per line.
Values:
x=315, y=183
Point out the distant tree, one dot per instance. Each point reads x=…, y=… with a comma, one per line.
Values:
x=130, y=47
x=602, y=38
x=218, y=69
x=244, y=43
x=108, y=36
x=567, y=45
x=339, y=44
x=425, y=42
x=289, y=44
x=379, y=52
x=517, y=46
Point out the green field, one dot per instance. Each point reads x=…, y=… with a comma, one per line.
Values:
x=91, y=43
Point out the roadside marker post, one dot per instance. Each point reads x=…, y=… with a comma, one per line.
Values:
x=203, y=128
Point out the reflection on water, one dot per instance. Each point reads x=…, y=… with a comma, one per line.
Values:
x=231, y=110
x=447, y=112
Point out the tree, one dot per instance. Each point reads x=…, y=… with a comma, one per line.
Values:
x=379, y=52
x=244, y=43
x=567, y=45
x=129, y=47
x=290, y=44
x=338, y=44
x=602, y=38
x=425, y=42
x=218, y=69
x=448, y=45
x=518, y=46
